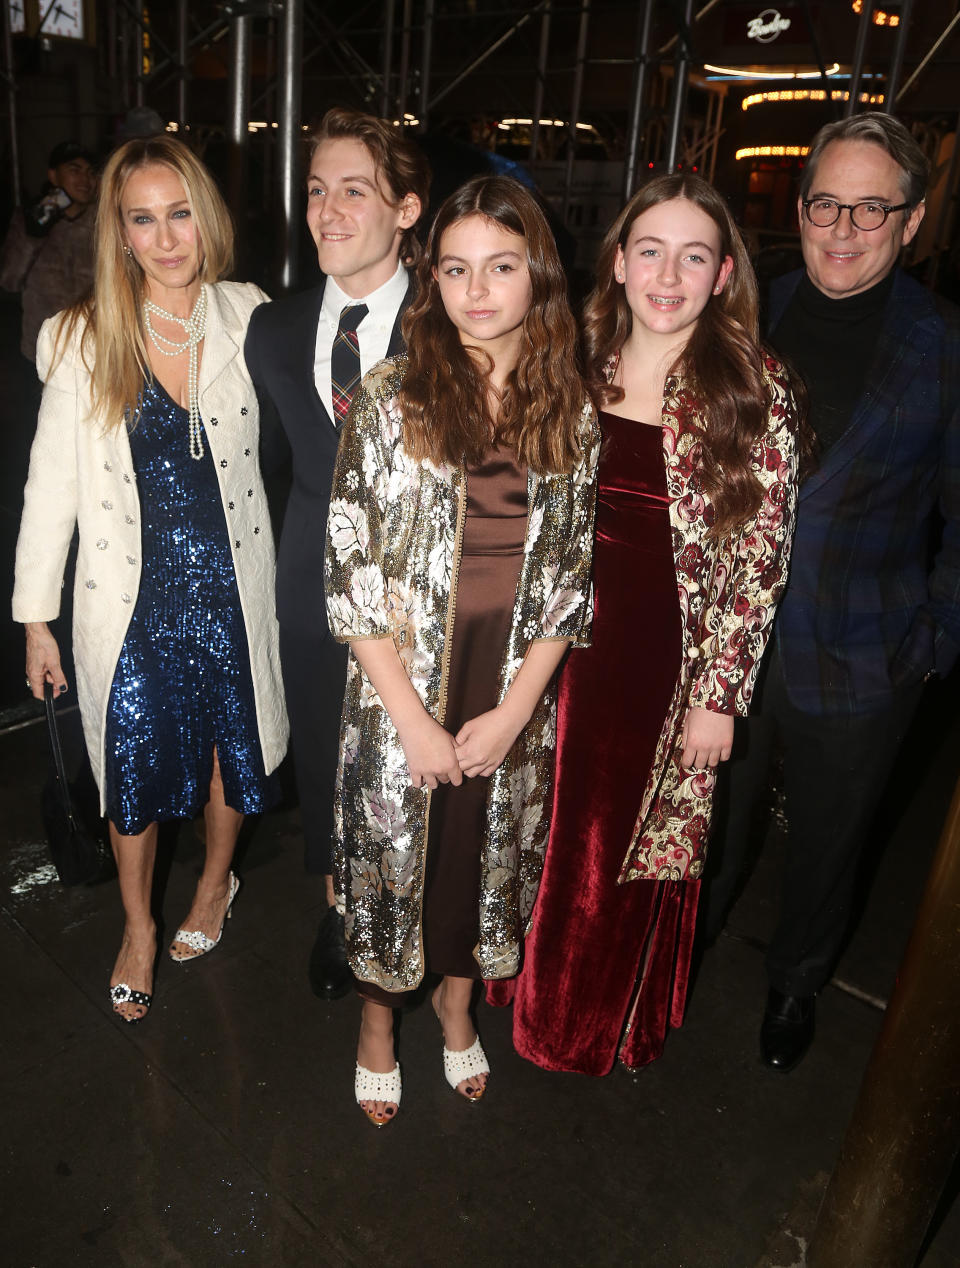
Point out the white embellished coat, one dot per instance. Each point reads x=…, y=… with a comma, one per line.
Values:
x=81, y=472
x=393, y=546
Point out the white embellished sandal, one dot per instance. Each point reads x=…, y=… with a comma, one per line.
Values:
x=468, y=1064
x=197, y=941
x=370, y=1086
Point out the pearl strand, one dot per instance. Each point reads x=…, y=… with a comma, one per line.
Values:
x=195, y=327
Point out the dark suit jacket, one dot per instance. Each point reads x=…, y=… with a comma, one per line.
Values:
x=279, y=351
x=865, y=611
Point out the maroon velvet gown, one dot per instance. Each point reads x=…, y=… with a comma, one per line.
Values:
x=606, y=965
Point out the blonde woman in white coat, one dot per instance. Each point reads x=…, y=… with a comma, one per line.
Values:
x=147, y=440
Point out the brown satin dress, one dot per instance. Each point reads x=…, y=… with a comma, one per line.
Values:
x=494, y=531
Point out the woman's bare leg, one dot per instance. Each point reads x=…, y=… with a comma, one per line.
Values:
x=135, y=857
x=451, y=1002
x=375, y=1052
x=211, y=900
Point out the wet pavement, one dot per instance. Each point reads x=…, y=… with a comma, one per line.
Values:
x=224, y=1128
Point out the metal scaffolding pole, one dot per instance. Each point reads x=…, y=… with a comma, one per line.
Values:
x=11, y=107
x=426, y=56
x=541, y=81
x=388, y=8
x=183, y=46
x=636, y=103
x=941, y=238
x=239, y=112
x=124, y=60
x=113, y=38
x=681, y=76
x=139, y=27
x=404, y=60
x=859, y=52
x=575, y=103
x=929, y=56
x=713, y=155
x=896, y=63
x=902, y=1139
x=291, y=39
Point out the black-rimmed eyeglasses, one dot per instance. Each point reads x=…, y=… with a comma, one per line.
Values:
x=824, y=212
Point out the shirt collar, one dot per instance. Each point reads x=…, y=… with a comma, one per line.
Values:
x=382, y=303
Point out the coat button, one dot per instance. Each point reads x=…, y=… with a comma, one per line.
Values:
x=102, y=544
x=107, y=506
x=126, y=598
x=128, y=519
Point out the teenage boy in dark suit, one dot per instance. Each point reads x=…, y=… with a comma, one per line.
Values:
x=367, y=187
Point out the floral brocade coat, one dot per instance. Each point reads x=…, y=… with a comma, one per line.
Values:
x=729, y=588
x=394, y=537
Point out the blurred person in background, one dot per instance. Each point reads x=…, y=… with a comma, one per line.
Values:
x=48, y=251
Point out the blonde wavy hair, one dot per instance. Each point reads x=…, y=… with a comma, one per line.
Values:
x=110, y=318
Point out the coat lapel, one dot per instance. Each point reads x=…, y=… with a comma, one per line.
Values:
x=904, y=338
x=222, y=341
x=307, y=353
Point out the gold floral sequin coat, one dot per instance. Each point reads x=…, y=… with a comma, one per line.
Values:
x=729, y=588
x=393, y=543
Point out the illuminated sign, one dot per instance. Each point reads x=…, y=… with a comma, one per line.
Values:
x=773, y=151
x=808, y=94
x=766, y=26
x=880, y=18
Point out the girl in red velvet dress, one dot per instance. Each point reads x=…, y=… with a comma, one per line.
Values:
x=697, y=486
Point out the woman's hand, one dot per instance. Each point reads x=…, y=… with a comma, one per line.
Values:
x=430, y=752
x=43, y=659
x=707, y=738
x=484, y=741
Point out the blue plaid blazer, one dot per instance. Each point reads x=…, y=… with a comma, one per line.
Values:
x=872, y=602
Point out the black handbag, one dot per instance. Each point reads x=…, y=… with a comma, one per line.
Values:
x=80, y=853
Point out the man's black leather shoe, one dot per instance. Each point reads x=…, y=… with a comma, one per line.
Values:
x=330, y=975
x=787, y=1029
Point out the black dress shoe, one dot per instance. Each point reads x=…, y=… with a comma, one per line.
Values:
x=330, y=975
x=787, y=1029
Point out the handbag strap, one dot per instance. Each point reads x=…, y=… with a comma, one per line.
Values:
x=60, y=771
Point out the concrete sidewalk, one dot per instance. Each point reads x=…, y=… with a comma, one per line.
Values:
x=224, y=1126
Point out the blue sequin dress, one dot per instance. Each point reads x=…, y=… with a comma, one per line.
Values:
x=182, y=685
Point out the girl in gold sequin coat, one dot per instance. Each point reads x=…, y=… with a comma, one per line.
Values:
x=490, y=370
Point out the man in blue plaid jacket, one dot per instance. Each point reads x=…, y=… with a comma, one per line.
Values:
x=872, y=607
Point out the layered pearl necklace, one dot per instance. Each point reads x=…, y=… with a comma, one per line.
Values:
x=195, y=327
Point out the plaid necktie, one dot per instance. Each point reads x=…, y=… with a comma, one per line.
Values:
x=345, y=360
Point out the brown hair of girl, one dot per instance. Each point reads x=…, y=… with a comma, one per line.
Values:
x=722, y=361
x=444, y=394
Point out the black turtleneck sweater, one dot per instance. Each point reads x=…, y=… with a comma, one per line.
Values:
x=830, y=343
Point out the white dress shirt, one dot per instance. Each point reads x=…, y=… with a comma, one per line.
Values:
x=373, y=333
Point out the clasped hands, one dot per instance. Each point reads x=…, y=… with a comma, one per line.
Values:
x=434, y=756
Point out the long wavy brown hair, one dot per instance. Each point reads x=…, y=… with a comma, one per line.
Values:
x=721, y=362
x=444, y=398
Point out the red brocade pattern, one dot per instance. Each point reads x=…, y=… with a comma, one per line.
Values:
x=606, y=965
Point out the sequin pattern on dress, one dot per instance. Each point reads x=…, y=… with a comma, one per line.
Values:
x=182, y=685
